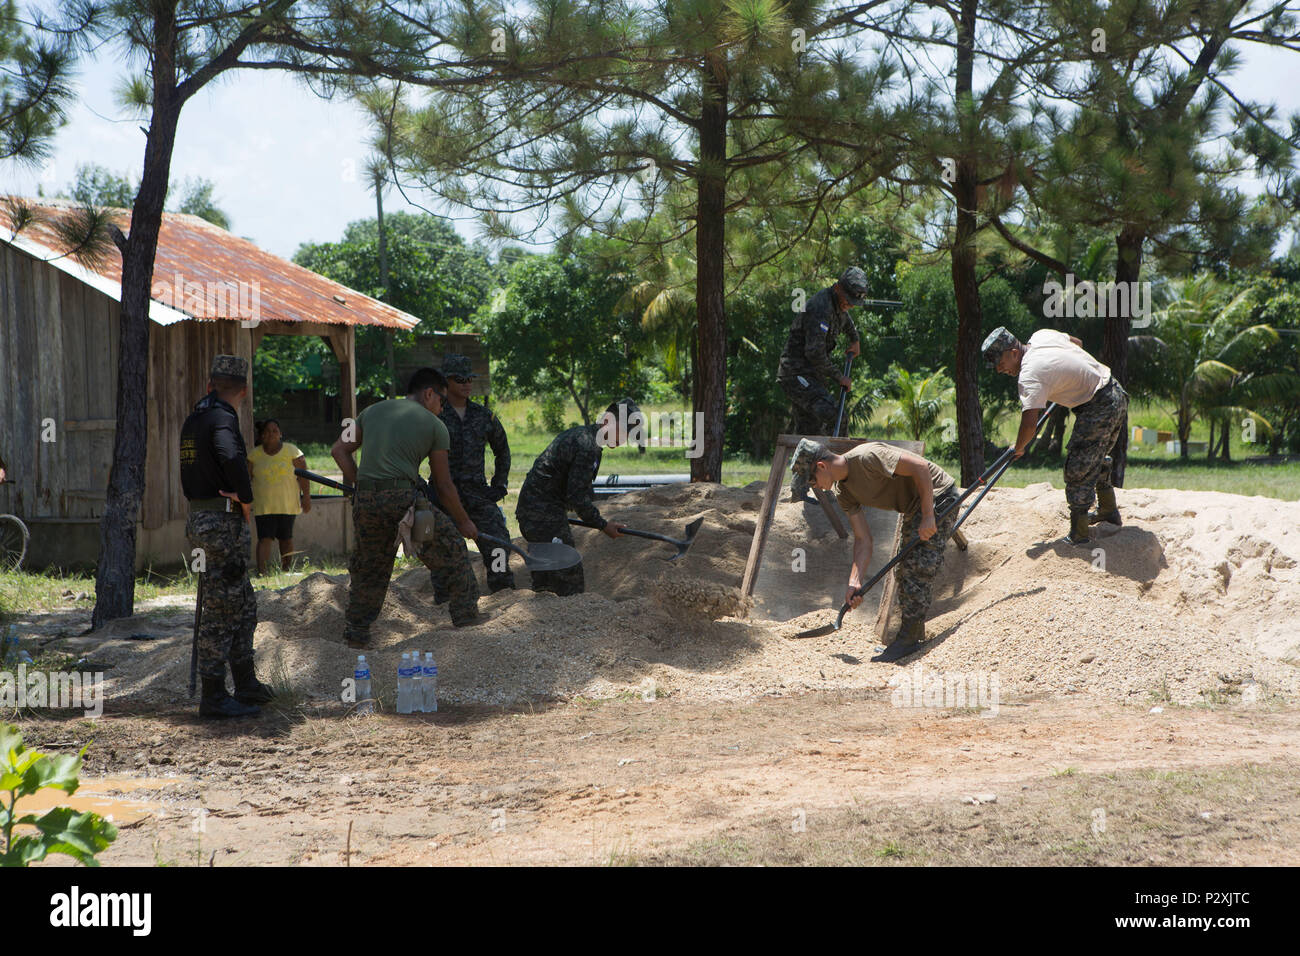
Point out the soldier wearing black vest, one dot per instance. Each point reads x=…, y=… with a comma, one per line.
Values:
x=214, y=477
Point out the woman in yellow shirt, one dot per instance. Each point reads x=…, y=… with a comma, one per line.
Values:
x=278, y=495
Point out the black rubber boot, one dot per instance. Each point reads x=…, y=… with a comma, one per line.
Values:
x=217, y=704
x=1079, y=533
x=248, y=689
x=1107, y=508
x=910, y=637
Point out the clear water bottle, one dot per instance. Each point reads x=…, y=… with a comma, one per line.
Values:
x=404, y=685
x=430, y=684
x=365, y=697
x=13, y=653
x=417, y=684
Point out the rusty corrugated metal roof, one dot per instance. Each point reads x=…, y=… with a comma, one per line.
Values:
x=201, y=271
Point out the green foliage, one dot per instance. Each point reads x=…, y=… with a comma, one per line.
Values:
x=60, y=830
x=559, y=327
x=922, y=396
x=97, y=185
x=34, y=87
x=553, y=404
x=197, y=201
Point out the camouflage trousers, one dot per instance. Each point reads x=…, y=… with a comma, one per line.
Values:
x=915, y=573
x=814, y=409
x=228, y=615
x=375, y=517
x=544, y=523
x=487, y=517
x=1097, y=426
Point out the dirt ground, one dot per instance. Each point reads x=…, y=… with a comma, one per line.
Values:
x=1138, y=702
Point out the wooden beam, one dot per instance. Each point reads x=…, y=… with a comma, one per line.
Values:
x=342, y=341
x=832, y=512
x=771, y=492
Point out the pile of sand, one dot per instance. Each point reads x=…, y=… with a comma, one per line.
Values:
x=1194, y=598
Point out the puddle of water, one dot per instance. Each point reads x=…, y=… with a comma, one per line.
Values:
x=94, y=795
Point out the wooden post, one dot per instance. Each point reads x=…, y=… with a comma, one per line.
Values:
x=342, y=341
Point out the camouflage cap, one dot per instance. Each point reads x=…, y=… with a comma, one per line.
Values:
x=998, y=341
x=455, y=365
x=806, y=455
x=853, y=283
x=230, y=366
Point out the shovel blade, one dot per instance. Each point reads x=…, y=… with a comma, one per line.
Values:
x=684, y=545
x=552, y=556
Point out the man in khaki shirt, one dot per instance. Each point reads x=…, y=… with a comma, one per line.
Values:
x=1053, y=367
x=877, y=475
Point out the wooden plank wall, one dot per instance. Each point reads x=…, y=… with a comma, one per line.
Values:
x=180, y=356
x=57, y=337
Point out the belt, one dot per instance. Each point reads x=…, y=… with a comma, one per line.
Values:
x=1095, y=395
x=216, y=504
x=384, y=484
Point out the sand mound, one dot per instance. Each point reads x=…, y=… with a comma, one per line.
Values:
x=1194, y=598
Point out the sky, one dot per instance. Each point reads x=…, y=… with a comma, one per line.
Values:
x=288, y=166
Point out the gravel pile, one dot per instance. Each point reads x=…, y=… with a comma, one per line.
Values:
x=1195, y=598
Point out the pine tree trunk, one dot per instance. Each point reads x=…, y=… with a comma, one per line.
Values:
x=710, y=235
x=970, y=316
x=1115, y=333
x=115, y=574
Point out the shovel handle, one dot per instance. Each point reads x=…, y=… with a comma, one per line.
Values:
x=634, y=533
x=993, y=472
x=322, y=480
x=844, y=397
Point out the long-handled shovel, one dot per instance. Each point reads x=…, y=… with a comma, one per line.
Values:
x=844, y=397
x=991, y=475
x=542, y=556
x=683, y=545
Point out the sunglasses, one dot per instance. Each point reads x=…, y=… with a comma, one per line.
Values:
x=459, y=380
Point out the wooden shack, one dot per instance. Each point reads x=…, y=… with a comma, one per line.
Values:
x=213, y=293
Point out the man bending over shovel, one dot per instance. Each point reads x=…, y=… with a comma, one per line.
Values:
x=1053, y=367
x=883, y=476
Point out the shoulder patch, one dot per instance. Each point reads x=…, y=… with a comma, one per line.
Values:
x=825, y=327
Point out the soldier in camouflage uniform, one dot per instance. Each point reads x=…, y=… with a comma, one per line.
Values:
x=1053, y=367
x=214, y=477
x=806, y=365
x=473, y=429
x=560, y=482
x=395, y=436
x=878, y=475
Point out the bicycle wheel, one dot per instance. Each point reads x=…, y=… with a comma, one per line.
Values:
x=13, y=542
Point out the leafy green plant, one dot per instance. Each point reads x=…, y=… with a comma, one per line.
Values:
x=60, y=830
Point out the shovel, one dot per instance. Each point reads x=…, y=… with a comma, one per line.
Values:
x=683, y=545
x=991, y=475
x=554, y=556
x=844, y=398
x=542, y=555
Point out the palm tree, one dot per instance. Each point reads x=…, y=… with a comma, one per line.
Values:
x=668, y=314
x=1198, y=360
x=921, y=400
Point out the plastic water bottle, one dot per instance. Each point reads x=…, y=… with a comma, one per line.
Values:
x=365, y=699
x=430, y=684
x=404, y=685
x=417, y=684
x=13, y=652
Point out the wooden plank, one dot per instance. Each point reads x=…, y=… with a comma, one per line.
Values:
x=49, y=373
x=832, y=512
x=89, y=424
x=771, y=491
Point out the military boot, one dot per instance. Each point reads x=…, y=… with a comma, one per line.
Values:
x=248, y=689
x=216, y=703
x=910, y=636
x=1079, y=533
x=1107, y=508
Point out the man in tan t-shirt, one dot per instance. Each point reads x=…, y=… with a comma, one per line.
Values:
x=877, y=475
x=1053, y=367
